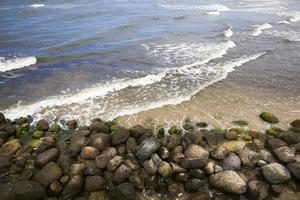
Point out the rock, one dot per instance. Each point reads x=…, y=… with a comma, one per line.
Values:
x=173, y=141
x=257, y=190
x=275, y=173
x=99, y=126
x=261, y=163
x=42, y=125
x=150, y=166
x=77, y=169
x=218, y=153
x=174, y=131
x=99, y=195
x=194, y=184
x=147, y=148
x=195, y=151
x=44, y=177
x=291, y=138
x=269, y=117
x=89, y=152
x=209, y=168
x=163, y=152
x=2, y=118
x=124, y=191
x=202, y=124
x=94, y=183
x=10, y=147
x=72, y=188
x=276, y=190
x=38, y=134
x=248, y=157
x=191, y=138
x=120, y=136
x=285, y=154
x=228, y=181
x=182, y=177
x=27, y=190
x=234, y=146
x=100, y=141
x=137, y=131
x=72, y=124
x=5, y=163
x=265, y=155
x=137, y=181
x=210, y=138
x=5, y=190
x=92, y=171
x=54, y=128
x=240, y=123
x=165, y=169
x=232, y=162
x=55, y=188
x=103, y=159
x=295, y=170
x=176, y=188
x=192, y=163
x=296, y=123
x=114, y=163
x=64, y=180
x=121, y=174
x=197, y=173
x=77, y=142
x=177, y=168
x=274, y=143
x=46, y=156
x=4, y=135
x=131, y=145
x=65, y=160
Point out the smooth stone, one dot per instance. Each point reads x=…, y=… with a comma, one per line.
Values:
x=77, y=169
x=94, y=183
x=296, y=123
x=232, y=162
x=147, y=148
x=228, y=181
x=210, y=138
x=98, y=195
x=197, y=173
x=218, y=153
x=248, y=157
x=131, y=145
x=257, y=190
x=42, y=125
x=266, y=155
x=103, y=159
x=196, y=151
x=65, y=160
x=275, y=173
x=100, y=141
x=173, y=141
x=192, y=163
x=150, y=166
x=165, y=169
x=274, y=143
x=114, y=163
x=92, y=171
x=294, y=168
x=46, y=156
x=121, y=174
x=89, y=152
x=99, y=126
x=137, y=131
x=72, y=188
x=10, y=147
x=269, y=117
x=285, y=154
x=27, y=190
x=119, y=136
x=163, y=152
x=44, y=177
x=176, y=188
x=177, y=168
x=55, y=188
x=77, y=142
x=234, y=146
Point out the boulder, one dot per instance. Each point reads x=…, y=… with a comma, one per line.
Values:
x=103, y=159
x=228, y=181
x=27, y=190
x=210, y=138
x=269, y=117
x=147, y=148
x=274, y=143
x=275, y=173
x=131, y=145
x=114, y=163
x=296, y=123
x=218, y=153
x=89, y=152
x=77, y=169
x=137, y=131
x=294, y=168
x=121, y=174
x=72, y=188
x=265, y=155
x=77, y=142
x=46, y=156
x=119, y=136
x=165, y=169
x=248, y=157
x=65, y=160
x=42, y=125
x=232, y=162
x=94, y=183
x=44, y=177
x=285, y=154
x=124, y=191
x=10, y=147
x=100, y=141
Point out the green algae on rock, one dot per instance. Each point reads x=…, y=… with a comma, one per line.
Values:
x=269, y=117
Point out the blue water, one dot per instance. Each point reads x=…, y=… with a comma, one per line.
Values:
x=94, y=57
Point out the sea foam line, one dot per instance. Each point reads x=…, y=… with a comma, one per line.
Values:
x=257, y=29
x=17, y=63
x=38, y=5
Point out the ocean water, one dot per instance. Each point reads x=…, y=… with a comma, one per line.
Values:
x=80, y=59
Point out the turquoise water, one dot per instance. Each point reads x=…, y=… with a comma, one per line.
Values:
x=78, y=59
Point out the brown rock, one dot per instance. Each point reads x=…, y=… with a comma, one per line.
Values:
x=114, y=163
x=27, y=190
x=121, y=174
x=89, y=152
x=165, y=169
x=103, y=159
x=100, y=141
x=46, y=156
x=45, y=177
x=55, y=189
x=42, y=125
x=119, y=136
x=94, y=183
x=10, y=147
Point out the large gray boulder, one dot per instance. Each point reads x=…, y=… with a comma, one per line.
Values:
x=228, y=181
x=147, y=148
x=275, y=173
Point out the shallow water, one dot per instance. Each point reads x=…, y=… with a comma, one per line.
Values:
x=81, y=59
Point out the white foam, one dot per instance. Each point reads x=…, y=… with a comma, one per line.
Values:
x=204, y=53
x=211, y=7
x=257, y=29
x=215, y=12
x=228, y=32
x=37, y=5
x=291, y=36
x=227, y=68
x=283, y=22
x=17, y=63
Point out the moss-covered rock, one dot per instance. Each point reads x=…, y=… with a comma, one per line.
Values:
x=42, y=125
x=25, y=127
x=246, y=137
x=21, y=120
x=238, y=130
x=274, y=131
x=34, y=143
x=72, y=124
x=174, y=131
x=38, y=134
x=296, y=123
x=269, y=117
x=240, y=123
x=294, y=129
x=160, y=133
x=54, y=128
x=188, y=127
x=97, y=119
x=202, y=124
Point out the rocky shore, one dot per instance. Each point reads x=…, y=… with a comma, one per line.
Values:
x=107, y=161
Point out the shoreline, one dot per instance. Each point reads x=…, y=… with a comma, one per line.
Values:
x=107, y=161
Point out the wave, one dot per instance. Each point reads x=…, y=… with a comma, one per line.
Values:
x=291, y=36
x=201, y=53
x=17, y=63
x=37, y=5
x=257, y=29
x=211, y=7
x=228, y=32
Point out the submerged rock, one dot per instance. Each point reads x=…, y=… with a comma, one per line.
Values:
x=228, y=181
x=275, y=173
x=269, y=117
